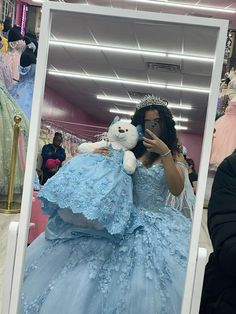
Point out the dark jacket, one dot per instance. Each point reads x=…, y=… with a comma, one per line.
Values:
x=219, y=288
x=48, y=152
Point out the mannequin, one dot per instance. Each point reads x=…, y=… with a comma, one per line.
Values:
x=15, y=48
x=224, y=142
x=22, y=91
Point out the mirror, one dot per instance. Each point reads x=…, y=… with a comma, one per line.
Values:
x=98, y=63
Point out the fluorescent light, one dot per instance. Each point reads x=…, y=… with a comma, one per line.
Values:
x=126, y=81
x=187, y=57
x=177, y=127
x=188, y=89
x=107, y=48
x=125, y=120
x=130, y=113
x=126, y=112
x=118, y=99
x=180, y=106
x=129, y=51
x=136, y=101
x=105, y=79
x=39, y=1
x=187, y=6
x=180, y=119
x=181, y=127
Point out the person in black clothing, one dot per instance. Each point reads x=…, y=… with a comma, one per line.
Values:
x=52, y=151
x=193, y=177
x=219, y=288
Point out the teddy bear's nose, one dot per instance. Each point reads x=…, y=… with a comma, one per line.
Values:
x=121, y=131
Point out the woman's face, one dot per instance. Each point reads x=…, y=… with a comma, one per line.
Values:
x=190, y=168
x=152, y=115
x=151, y=122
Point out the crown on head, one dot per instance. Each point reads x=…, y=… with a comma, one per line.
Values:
x=151, y=100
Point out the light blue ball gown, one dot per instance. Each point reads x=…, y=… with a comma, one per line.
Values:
x=141, y=272
x=95, y=186
x=22, y=91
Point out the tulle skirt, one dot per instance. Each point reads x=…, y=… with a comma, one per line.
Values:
x=8, y=109
x=224, y=142
x=144, y=273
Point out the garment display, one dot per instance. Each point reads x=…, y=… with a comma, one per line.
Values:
x=3, y=40
x=16, y=46
x=143, y=272
x=5, y=72
x=8, y=109
x=224, y=142
x=70, y=141
x=12, y=58
x=22, y=91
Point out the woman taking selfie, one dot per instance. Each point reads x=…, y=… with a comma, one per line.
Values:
x=142, y=272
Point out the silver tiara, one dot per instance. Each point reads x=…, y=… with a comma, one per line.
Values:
x=151, y=100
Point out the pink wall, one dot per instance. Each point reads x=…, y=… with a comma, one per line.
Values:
x=68, y=116
x=193, y=143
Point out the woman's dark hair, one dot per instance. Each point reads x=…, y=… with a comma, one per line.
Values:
x=191, y=163
x=58, y=134
x=168, y=131
x=27, y=57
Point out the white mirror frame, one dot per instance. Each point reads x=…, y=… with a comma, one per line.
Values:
x=48, y=8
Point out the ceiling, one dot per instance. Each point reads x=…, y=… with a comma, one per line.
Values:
x=118, y=32
x=137, y=5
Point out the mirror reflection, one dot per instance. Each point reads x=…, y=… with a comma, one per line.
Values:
x=114, y=212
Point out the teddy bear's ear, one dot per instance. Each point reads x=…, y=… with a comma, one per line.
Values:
x=116, y=119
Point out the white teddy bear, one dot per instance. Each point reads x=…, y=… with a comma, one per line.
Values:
x=93, y=190
x=121, y=136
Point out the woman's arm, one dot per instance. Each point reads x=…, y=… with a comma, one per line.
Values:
x=174, y=175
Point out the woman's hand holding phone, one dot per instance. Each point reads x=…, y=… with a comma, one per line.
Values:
x=154, y=144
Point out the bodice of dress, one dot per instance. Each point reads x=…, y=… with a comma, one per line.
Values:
x=116, y=155
x=150, y=187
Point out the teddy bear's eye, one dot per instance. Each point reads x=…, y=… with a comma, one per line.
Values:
x=126, y=130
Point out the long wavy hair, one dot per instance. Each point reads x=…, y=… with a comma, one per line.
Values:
x=168, y=132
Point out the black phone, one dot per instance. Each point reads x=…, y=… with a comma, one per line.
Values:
x=154, y=127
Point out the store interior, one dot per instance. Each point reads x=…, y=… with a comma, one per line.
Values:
x=95, y=72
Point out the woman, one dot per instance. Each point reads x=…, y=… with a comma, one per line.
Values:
x=144, y=271
x=193, y=177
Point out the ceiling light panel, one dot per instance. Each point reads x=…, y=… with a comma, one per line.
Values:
x=136, y=101
x=122, y=50
x=187, y=6
x=97, y=78
x=131, y=113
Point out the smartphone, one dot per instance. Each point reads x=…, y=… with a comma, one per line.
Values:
x=154, y=127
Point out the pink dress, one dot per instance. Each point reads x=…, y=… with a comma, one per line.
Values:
x=5, y=72
x=14, y=53
x=9, y=64
x=224, y=142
